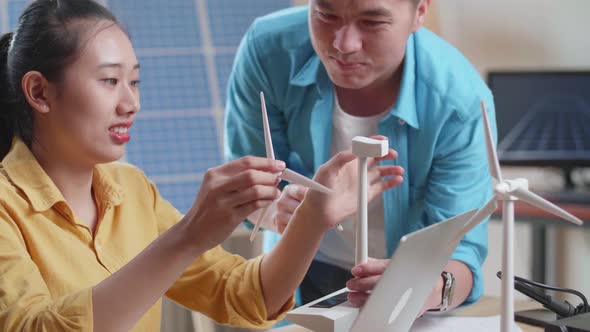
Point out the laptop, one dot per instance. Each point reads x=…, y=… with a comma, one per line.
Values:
x=396, y=300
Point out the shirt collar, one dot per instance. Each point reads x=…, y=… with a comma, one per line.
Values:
x=307, y=74
x=405, y=106
x=312, y=72
x=25, y=172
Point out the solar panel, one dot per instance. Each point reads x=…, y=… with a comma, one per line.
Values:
x=15, y=8
x=229, y=19
x=552, y=128
x=186, y=49
x=159, y=24
x=543, y=118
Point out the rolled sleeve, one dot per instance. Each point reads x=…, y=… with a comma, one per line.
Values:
x=40, y=313
x=472, y=255
x=25, y=301
x=227, y=289
x=243, y=125
x=459, y=181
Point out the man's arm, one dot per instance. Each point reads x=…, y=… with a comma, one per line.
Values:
x=459, y=180
x=243, y=122
x=463, y=281
x=367, y=276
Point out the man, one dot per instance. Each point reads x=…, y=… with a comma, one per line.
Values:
x=341, y=68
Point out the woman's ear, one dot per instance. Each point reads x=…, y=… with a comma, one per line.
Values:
x=36, y=90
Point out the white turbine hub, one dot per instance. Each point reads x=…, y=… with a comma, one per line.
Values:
x=504, y=188
x=518, y=183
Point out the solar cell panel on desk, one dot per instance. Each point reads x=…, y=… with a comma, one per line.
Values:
x=555, y=127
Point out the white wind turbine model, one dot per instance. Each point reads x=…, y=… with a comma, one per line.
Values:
x=287, y=175
x=363, y=148
x=509, y=191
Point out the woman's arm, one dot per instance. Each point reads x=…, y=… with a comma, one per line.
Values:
x=228, y=194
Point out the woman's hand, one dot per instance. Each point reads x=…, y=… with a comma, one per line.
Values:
x=228, y=194
x=341, y=175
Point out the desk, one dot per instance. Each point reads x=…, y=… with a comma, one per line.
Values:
x=486, y=306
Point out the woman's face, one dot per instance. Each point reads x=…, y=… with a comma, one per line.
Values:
x=93, y=106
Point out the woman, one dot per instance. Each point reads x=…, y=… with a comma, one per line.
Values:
x=87, y=243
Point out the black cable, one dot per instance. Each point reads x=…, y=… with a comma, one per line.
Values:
x=557, y=289
x=552, y=288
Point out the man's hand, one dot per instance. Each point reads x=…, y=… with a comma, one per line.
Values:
x=340, y=174
x=290, y=198
x=366, y=276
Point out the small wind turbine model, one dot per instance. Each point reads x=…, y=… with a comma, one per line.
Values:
x=340, y=318
x=287, y=175
x=363, y=148
x=509, y=191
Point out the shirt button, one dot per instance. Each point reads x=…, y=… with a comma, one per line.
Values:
x=401, y=122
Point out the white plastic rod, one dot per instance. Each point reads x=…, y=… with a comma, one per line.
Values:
x=267, y=137
x=544, y=204
x=294, y=177
x=493, y=163
x=258, y=223
x=362, y=249
x=477, y=218
x=507, y=318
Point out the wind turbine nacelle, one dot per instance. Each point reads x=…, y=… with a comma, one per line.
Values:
x=505, y=187
x=369, y=147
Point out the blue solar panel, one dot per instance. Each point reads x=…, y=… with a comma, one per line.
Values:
x=229, y=19
x=15, y=8
x=181, y=195
x=555, y=127
x=174, y=146
x=173, y=82
x=157, y=23
x=175, y=137
x=542, y=117
x=224, y=63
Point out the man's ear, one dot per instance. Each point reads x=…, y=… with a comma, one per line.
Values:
x=421, y=11
x=36, y=90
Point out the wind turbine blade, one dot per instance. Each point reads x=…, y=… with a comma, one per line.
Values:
x=294, y=177
x=258, y=223
x=477, y=218
x=267, y=138
x=544, y=204
x=493, y=163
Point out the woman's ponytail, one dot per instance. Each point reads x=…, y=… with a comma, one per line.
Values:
x=7, y=111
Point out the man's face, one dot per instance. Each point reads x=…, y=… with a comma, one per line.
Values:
x=362, y=42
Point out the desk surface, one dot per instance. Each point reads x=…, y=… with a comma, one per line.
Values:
x=487, y=306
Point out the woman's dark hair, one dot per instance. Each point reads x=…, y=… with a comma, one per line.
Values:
x=46, y=41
